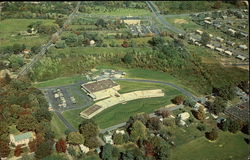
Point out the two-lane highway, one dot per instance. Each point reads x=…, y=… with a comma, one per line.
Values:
x=25, y=69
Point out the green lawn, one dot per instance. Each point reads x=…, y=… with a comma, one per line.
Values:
x=187, y=24
x=121, y=112
x=73, y=117
x=227, y=147
x=60, y=81
x=9, y=28
x=58, y=127
x=150, y=75
x=123, y=12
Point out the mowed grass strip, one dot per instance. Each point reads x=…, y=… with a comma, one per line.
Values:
x=58, y=127
x=59, y=81
x=227, y=146
x=73, y=117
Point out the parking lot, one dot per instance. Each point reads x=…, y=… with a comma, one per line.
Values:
x=143, y=29
x=67, y=97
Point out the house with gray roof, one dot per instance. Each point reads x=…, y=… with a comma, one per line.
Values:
x=22, y=139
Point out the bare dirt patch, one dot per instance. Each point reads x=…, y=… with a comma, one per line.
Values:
x=180, y=21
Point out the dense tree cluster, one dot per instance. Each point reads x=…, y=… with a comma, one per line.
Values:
x=90, y=131
x=20, y=106
x=41, y=10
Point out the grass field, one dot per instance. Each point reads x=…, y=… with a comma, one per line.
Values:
x=183, y=22
x=73, y=117
x=96, y=50
x=58, y=127
x=121, y=112
x=227, y=147
x=9, y=28
x=123, y=12
x=59, y=81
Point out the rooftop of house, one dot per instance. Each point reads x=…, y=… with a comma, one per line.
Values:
x=23, y=136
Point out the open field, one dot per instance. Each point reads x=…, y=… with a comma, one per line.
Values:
x=9, y=28
x=97, y=50
x=58, y=127
x=60, y=81
x=123, y=12
x=228, y=146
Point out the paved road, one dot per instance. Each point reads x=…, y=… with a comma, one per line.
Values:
x=157, y=14
x=25, y=69
x=65, y=122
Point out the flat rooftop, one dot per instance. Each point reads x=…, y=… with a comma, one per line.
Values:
x=100, y=85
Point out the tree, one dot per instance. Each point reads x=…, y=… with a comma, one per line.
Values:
x=35, y=49
x=32, y=145
x=217, y=5
x=234, y=125
x=154, y=123
x=60, y=44
x=162, y=151
x=26, y=123
x=200, y=114
x=201, y=127
x=205, y=38
x=61, y=146
x=106, y=153
x=92, y=142
x=88, y=129
x=60, y=22
x=213, y=135
x=4, y=131
x=165, y=113
x=4, y=149
x=42, y=114
x=156, y=41
x=128, y=58
x=101, y=22
x=125, y=44
x=118, y=138
x=218, y=106
x=178, y=100
x=18, y=151
x=189, y=102
x=75, y=138
x=138, y=130
x=44, y=149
